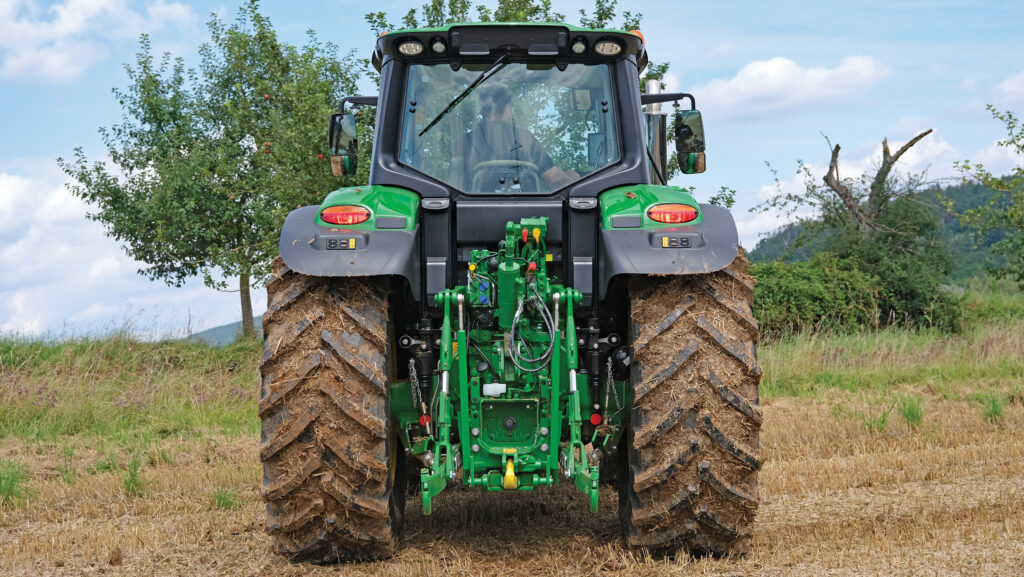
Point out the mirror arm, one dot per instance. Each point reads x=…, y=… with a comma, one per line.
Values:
x=357, y=100
x=668, y=97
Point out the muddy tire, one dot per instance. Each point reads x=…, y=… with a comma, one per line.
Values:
x=692, y=448
x=326, y=440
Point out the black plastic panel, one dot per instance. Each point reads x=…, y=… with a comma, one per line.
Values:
x=712, y=246
x=307, y=248
x=390, y=222
x=484, y=221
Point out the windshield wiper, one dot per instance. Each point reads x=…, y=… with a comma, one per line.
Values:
x=477, y=82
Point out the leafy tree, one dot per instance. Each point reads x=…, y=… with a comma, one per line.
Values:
x=206, y=163
x=1003, y=213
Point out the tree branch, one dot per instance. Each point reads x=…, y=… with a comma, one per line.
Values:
x=878, y=196
x=833, y=181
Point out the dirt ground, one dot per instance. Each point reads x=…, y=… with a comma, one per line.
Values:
x=946, y=498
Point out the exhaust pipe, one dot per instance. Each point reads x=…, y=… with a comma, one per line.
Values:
x=657, y=141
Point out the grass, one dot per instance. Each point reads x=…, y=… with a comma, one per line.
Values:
x=66, y=470
x=132, y=481
x=993, y=301
x=807, y=365
x=121, y=388
x=224, y=498
x=877, y=419
x=992, y=406
x=912, y=410
x=14, y=490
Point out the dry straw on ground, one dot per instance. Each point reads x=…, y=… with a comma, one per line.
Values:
x=946, y=499
x=942, y=497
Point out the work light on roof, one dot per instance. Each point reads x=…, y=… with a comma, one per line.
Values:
x=579, y=46
x=438, y=46
x=410, y=48
x=607, y=48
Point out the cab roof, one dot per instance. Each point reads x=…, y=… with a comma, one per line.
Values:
x=530, y=40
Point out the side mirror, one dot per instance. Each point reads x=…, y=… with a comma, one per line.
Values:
x=689, y=131
x=344, y=144
x=692, y=162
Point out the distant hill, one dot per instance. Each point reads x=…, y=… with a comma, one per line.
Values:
x=969, y=255
x=224, y=334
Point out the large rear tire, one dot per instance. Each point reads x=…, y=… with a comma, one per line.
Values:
x=692, y=447
x=328, y=448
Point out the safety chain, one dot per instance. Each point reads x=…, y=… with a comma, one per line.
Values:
x=611, y=384
x=414, y=383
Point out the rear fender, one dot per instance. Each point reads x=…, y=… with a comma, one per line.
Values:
x=631, y=243
x=386, y=244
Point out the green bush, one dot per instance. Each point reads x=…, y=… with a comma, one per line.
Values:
x=824, y=293
x=910, y=261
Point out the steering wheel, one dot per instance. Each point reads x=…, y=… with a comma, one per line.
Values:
x=504, y=175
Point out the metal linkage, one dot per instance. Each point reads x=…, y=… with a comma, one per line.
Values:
x=509, y=383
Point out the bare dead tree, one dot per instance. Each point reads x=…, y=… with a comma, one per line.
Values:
x=866, y=217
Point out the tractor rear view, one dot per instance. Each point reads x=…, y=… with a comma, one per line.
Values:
x=516, y=299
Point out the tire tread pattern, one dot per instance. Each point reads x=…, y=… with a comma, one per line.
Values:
x=692, y=452
x=325, y=439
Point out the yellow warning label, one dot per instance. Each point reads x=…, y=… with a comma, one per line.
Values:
x=351, y=243
x=549, y=257
x=664, y=242
x=509, y=450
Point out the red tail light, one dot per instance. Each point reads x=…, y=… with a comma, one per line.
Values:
x=345, y=214
x=672, y=213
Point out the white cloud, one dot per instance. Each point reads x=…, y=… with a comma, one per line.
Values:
x=998, y=159
x=932, y=153
x=21, y=318
x=64, y=277
x=778, y=85
x=104, y=267
x=1013, y=86
x=672, y=82
x=60, y=43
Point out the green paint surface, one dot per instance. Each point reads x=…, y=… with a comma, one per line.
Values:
x=448, y=27
x=379, y=200
x=634, y=200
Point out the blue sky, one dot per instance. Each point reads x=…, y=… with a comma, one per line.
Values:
x=770, y=82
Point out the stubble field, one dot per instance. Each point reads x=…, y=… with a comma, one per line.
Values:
x=886, y=454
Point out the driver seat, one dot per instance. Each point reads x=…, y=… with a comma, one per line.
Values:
x=499, y=176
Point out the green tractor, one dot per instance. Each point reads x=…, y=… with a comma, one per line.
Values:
x=516, y=299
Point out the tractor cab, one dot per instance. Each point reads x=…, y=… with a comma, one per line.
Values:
x=496, y=122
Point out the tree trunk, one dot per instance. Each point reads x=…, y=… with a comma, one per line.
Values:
x=248, y=326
